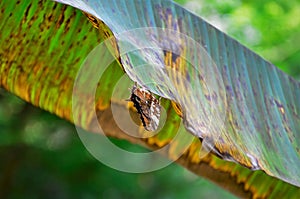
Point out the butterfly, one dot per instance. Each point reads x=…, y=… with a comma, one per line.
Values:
x=147, y=106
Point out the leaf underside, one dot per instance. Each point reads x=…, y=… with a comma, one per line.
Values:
x=260, y=102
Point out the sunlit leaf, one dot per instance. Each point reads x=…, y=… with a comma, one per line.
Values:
x=211, y=76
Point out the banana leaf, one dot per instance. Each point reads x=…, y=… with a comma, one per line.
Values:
x=242, y=107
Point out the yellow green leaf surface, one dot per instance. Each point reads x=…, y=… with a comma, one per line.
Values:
x=244, y=108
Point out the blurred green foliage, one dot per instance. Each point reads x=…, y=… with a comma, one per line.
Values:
x=42, y=156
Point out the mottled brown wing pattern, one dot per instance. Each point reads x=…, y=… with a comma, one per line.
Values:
x=147, y=106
